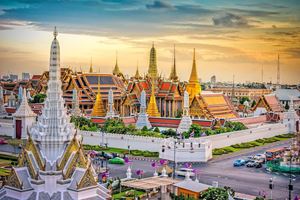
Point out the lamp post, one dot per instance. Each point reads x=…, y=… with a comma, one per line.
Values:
x=174, y=166
x=271, y=186
x=290, y=179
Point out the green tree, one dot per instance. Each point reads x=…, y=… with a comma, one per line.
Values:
x=243, y=99
x=38, y=98
x=215, y=194
x=197, y=130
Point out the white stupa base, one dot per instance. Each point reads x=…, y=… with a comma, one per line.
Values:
x=185, y=124
x=143, y=121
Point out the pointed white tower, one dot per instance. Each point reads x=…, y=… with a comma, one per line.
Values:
x=143, y=116
x=75, y=104
x=53, y=129
x=24, y=117
x=186, y=120
x=111, y=110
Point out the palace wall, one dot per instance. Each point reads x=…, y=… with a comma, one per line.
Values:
x=155, y=144
x=7, y=128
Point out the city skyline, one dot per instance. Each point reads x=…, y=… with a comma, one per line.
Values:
x=230, y=38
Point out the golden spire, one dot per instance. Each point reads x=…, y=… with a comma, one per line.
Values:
x=137, y=73
x=91, y=66
x=152, y=71
x=98, y=109
x=152, y=109
x=193, y=87
x=173, y=74
x=116, y=70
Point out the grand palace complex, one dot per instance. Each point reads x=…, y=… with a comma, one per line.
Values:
x=168, y=92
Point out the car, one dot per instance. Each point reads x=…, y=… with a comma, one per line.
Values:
x=106, y=155
x=259, y=156
x=3, y=141
x=238, y=163
x=116, y=160
x=251, y=164
x=258, y=165
x=183, y=171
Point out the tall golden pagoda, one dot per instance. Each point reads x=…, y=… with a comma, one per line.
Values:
x=98, y=109
x=152, y=109
x=193, y=87
x=152, y=71
x=173, y=74
x=91, y=66
x=116, y=70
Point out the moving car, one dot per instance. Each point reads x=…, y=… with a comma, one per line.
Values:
x=183, y=171
x=116, y=160
x=239, y=162
x=251, y=164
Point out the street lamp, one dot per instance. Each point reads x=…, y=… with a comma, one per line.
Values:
x=174, y=166
x=271, y=186
x=290, y=178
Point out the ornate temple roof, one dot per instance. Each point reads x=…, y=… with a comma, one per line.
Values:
x=270, y=103
x=212, y=105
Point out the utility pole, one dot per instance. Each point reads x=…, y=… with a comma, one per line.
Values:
x=174, y=166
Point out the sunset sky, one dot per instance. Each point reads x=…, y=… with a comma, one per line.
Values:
x=236, y=37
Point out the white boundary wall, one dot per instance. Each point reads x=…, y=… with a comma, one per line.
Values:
x=7, y=129
x=155, y=144
x=230, y=138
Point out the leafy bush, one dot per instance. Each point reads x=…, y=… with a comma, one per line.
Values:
x=288, y=135
x=84, y=124
x=169, y=132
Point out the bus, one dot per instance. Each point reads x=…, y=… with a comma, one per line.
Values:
x=275, y=153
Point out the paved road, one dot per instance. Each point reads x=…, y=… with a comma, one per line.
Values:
x=241, y=179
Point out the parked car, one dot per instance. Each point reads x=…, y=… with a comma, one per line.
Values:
x=239, y=162
x=116, y=160
x=183, y=171
x=251, y=164
x=259, y=156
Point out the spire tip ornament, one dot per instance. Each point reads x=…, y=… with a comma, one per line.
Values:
x=55, y=32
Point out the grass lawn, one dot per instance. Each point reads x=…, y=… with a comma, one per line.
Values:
x=122, y=194
x=247, y=145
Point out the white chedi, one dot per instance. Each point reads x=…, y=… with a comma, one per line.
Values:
x=53, y=128
x=110, y=110
x=143, y=119
x=186, y=120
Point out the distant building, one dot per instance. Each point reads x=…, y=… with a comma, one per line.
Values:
x=285, y=96
x=251, y=93
x=13, y=77
x=25, y=76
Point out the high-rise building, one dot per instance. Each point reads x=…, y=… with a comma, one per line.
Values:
x=25, y=76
